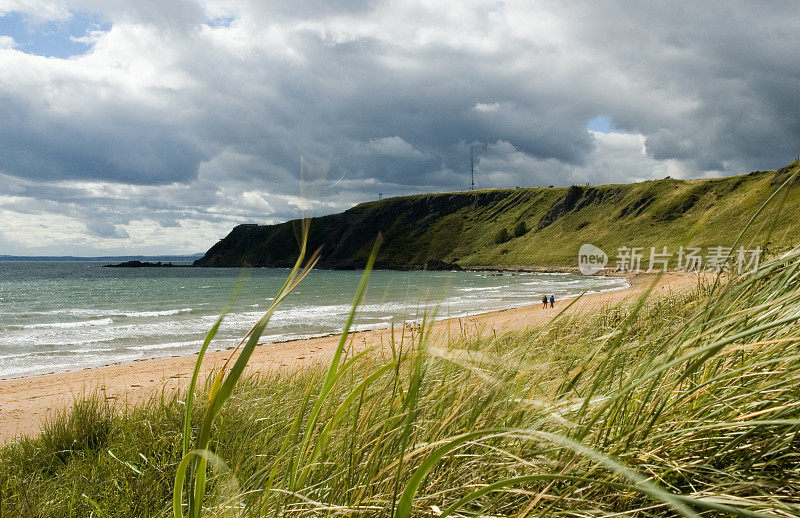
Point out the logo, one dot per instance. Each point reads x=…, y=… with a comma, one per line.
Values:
x=717, y=259
x=591, y=259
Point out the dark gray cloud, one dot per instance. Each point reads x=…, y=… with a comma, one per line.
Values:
x=723, y=69
x=137, y=152
x=197, y=113
x=106, y=229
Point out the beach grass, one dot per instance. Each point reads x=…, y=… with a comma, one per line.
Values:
x=677, y=404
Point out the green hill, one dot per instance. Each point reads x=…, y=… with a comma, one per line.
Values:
x=466, y=228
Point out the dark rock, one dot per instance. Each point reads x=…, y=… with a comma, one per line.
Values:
x=637, y=206
x=783, y=174
x=575, y=199
x=683, y=204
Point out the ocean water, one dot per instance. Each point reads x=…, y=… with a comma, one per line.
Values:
x=60, y=316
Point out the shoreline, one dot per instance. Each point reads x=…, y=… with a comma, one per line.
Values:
x=513, y=270
x=26, y=402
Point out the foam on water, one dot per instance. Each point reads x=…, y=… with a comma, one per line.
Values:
x=65, y=325
x=166, y=312
x=64, y=316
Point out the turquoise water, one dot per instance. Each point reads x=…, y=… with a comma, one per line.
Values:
x=59, y=316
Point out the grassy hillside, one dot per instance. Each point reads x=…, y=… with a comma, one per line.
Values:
x=463, y=227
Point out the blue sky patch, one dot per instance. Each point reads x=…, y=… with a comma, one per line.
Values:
x=221, y=21
x=51, y=39
x=601, y=124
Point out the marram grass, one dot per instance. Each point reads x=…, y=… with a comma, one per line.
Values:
x=677, y=404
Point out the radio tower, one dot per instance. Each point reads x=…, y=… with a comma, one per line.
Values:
x=471, y=171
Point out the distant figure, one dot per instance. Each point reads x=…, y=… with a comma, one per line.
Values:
x=544, y=301
x=552, y=300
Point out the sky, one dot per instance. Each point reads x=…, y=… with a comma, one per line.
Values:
x=155, y=126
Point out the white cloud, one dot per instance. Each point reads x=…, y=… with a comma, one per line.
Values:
x=188, y=116
x=7, y=42
x=617, y=158
x=39, y=11
x=486, y=107
x=395, y=147
x=32, y=230
x=253, y=201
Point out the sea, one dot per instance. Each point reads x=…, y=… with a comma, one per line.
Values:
x=62, y=316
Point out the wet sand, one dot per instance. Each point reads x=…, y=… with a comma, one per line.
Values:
x=26, y=402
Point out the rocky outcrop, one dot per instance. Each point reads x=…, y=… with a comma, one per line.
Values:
x=576, y=198
x=139, y=264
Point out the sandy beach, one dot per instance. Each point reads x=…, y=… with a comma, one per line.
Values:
x=26, y=402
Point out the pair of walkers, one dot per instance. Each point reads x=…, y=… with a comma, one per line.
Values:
x=552, y=301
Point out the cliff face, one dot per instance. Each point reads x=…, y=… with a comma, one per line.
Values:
x=347, y=238
x=441, y=230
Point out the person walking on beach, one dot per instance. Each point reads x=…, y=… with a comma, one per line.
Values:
x=544, y=301
x=552, y=300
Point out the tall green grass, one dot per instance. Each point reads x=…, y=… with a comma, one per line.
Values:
x=677, y=404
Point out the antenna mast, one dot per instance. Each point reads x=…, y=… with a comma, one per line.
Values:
x=471, y=171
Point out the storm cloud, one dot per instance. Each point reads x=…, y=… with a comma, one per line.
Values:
x=180, y=119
